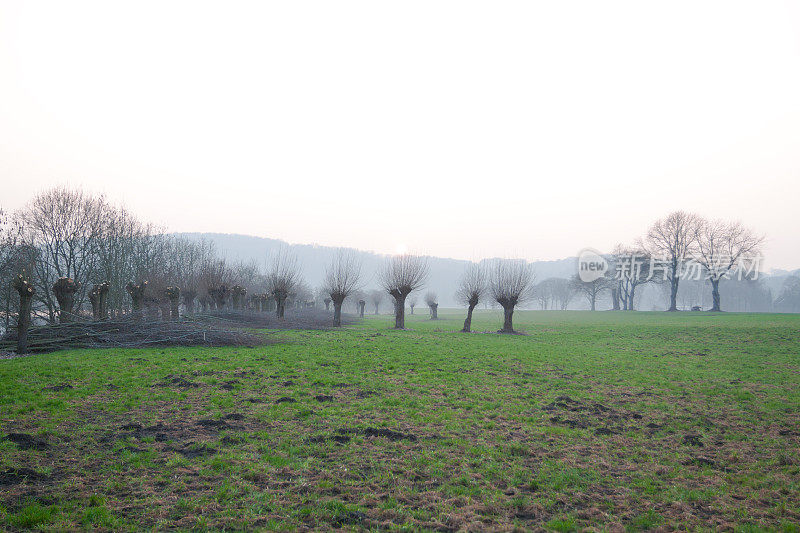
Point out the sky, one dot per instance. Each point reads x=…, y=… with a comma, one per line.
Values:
x=452, y=128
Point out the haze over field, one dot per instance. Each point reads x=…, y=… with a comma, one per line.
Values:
x=455, y=129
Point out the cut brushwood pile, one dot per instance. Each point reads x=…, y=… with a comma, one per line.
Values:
x=293, y=319
x=130, y=333
x=217, y=328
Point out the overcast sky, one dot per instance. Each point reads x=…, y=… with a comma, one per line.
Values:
x=458, y=129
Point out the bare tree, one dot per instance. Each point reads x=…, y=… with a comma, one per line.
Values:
x=631, y=269
x=14, y=258
x=321, y=296
x=301, y=296
x=562, y=292
x=510, y=281
x=355, y=298
x=401, y=275
x=190, y=258
x=341, y=280
x=543, y=293
x=214, y=280
x=674, y=239
x=412, y=302
x=282, y=278
x=119, y=254
x=433, y=305
x=376, y=296
x=554, y=293
x=64, y=226
x=591, y=290
x=471, y=289
x=789, y=297
x=248, y=276
x=238, y=294
x=723, y=247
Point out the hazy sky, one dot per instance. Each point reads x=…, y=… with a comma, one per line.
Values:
x=460, y=129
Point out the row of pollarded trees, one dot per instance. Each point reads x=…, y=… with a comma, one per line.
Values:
x=507, y=282
x=77, y=256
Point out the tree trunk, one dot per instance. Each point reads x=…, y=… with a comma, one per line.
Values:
x=434, y=311
x=399, y=311
x=673, y=291
x=136, y=292
x=337, y=313
x=327, y=305
x=280, y=307
x=188, y=303
x=23, y=323
x=412, y=308
x=629, y=303
x=25, y=290
x=8, y=313
x=104, y=304
x=94, y=298
x=593, y=301
x=715, y=295
x=468, y=321
x=65, y=310
x=508, y=319
x=361, y=305
x=615, y=298
x=64, y=290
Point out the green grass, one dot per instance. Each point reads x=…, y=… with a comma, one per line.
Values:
x=643, y=420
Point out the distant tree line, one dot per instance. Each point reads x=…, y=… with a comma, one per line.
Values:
x=679, y=248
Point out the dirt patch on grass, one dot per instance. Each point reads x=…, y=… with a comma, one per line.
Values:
x=285, y=399
x=27, y=442
x=12, y=476
x=323, y=398
x=60, y=387
x=344, y=435
x=582, y=414
x=179, y=382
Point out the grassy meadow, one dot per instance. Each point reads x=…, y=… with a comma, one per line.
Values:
x=610, y=420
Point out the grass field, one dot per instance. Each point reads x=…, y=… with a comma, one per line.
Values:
x=613, y=420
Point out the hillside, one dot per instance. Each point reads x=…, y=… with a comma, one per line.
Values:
x=444, y=272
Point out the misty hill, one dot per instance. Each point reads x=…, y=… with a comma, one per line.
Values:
x=444, y=272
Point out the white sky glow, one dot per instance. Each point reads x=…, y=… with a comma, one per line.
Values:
x=457, y=128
